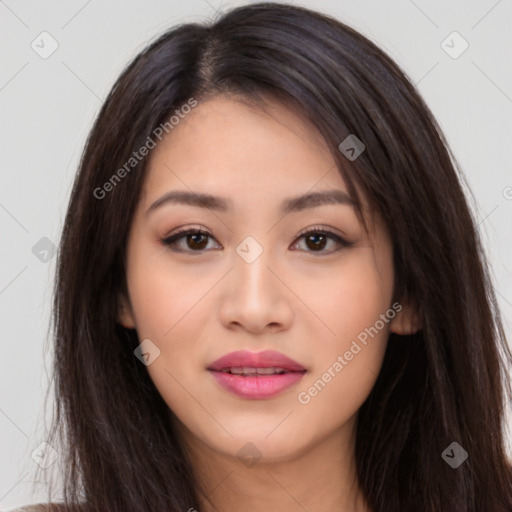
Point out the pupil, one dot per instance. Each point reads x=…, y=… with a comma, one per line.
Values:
x=315, y=237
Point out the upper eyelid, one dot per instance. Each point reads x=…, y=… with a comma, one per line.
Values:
x=314, y=227
x=305, y=231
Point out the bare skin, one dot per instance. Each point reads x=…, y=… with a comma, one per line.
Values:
x=306, y=302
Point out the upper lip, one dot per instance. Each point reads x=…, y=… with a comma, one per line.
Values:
x=265, y=359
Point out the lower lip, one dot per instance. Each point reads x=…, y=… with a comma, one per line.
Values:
x=257, y=387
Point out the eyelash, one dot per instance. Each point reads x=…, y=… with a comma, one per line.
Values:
x=183, y=232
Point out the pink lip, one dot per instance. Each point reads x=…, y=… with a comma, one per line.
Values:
x=264, y=359
x=260, y=386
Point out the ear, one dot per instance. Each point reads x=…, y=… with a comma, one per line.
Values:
x=124, y=312
x=406, y=321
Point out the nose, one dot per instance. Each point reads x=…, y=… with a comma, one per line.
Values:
x=255, y=297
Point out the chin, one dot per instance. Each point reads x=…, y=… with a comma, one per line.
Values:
x=258, y=447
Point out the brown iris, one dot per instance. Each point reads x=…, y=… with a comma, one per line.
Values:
x=319, y=241
x=197, y=243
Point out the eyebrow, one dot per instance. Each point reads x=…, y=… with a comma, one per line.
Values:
x=292, y=204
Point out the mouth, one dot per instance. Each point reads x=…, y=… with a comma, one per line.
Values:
x=255, y=371
x=256, y=376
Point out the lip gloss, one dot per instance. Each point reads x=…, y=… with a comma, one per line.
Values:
x=257, y=387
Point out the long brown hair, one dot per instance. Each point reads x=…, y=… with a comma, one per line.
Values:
x=447, y=383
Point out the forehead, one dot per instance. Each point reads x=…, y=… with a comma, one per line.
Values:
x=225, y=144
x=255, y=157
x=229, y=148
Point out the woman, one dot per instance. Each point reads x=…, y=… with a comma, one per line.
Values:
x=271, y=293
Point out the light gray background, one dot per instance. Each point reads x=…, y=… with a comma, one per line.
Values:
x=48, y=105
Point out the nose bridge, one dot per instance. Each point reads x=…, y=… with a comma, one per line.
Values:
x=256, y=297
x=253, y=276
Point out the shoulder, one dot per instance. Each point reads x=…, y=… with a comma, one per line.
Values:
x=40, y=507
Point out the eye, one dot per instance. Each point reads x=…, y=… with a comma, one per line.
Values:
x=196, y=240
x=317, y=238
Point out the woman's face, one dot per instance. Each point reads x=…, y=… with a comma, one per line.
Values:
x=255, y=282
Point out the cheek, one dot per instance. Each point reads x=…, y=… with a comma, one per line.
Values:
x=349, y=298
x=348, y=359
x=163, y=295
x=169, y=309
